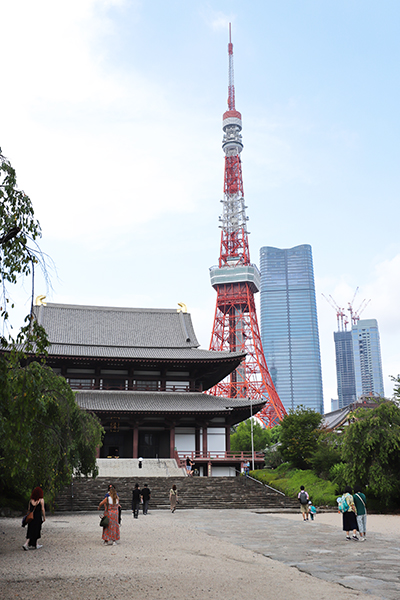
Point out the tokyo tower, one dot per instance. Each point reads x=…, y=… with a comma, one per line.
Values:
x=236, y=281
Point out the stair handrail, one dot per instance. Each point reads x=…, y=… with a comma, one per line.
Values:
x=262, y=483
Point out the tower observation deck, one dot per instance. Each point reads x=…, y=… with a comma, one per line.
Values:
x=236, y=281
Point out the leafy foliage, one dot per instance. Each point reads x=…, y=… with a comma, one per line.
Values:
x=18, y=226
x=289, y=480
x=299, y=436
x=44, y=435
x=327, y=453
x=371, y=451
x=337, y=474
x=241, y=438
x=275, y=434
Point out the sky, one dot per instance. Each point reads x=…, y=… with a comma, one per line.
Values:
x=111, y=114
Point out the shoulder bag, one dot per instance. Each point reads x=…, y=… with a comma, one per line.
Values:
x=104, y=520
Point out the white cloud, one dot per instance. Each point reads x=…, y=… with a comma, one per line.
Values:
x=217, y=20
x=99, y=149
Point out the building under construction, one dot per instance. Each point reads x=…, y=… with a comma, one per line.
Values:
x=358, y=355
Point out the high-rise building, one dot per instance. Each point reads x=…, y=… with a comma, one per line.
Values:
x=346, y=383
x=289, y=325
x=367, y=358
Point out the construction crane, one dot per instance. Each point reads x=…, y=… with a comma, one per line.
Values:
x=355, y=314
x=342, y=320
x=341, y=316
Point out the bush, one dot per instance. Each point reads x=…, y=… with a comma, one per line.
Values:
x=288, y=481
x=273, y=457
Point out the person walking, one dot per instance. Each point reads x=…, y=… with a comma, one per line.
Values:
x=145, y=497
x=311, y=510
x=173, y=498
x=36, y=505
x=303, y=499
x=136, y=497
x=360, y=502
x=111, y=510
x=189, y=466
x=110, y=485
x=349, y=515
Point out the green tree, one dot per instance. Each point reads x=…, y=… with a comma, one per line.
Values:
x=275, y=434
x=19, y=231
x=299, y=436
x=44, y=435
x=241, y=438
x=371, y=450
x=327, y=453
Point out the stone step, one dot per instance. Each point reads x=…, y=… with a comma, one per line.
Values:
x=194, y=492
x=129, y=467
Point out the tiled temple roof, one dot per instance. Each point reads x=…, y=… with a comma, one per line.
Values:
x=156, y=402
x=126, y=333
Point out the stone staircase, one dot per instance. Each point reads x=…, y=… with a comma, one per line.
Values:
x=194, y=492
x=129, y=467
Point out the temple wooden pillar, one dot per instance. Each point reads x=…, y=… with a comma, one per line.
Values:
x=205, y=446
x=136, y=441
x=227, y=438
x=197, y=441
x=172, y=441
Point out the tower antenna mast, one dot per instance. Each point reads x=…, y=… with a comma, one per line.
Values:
x=236, y=281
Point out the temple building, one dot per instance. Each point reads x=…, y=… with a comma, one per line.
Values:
x=141, y=371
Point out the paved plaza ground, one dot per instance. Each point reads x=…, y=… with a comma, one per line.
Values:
x=207, y=554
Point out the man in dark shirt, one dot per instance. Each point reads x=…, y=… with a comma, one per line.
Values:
x=146, y=497
x=136, y=495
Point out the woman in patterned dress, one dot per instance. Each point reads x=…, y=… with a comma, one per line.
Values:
x=111, y=508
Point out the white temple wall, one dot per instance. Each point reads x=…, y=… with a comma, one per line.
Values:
x=185, y=439
x=223, y=472
x=216, y=439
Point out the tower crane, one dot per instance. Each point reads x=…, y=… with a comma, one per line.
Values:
x=342, y=321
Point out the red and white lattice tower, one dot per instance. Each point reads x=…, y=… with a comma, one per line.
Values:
x=236, y=281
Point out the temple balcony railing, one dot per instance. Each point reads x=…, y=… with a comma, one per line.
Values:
x=219, y=456
x=150, y=386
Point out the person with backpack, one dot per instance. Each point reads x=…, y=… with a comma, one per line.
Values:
x=348, y=509
x=360, y=502
x=303, y=499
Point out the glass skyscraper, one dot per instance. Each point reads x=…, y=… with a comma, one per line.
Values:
x=346, y=383
x=289, y=325
x=367, y=358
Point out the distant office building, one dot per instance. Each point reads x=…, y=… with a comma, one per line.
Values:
x=334, y=404
x=289, y=325
x=346, y=383
x=358, y=362
x=367, y=358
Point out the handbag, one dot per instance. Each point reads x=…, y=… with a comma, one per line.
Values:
x=28, y=518
x=104, y=521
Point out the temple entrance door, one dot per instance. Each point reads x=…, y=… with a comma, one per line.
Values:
x=149, y=445
x=154, y=444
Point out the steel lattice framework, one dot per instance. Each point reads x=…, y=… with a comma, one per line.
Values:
x=236, y=281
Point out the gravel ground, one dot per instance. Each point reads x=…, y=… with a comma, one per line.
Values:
x=160, y=556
